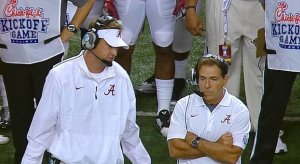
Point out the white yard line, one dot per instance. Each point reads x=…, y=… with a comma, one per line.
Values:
x=153, y=114
x=148, y=114
x=291, y=118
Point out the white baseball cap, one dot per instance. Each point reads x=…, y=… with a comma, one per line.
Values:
x=113, y=37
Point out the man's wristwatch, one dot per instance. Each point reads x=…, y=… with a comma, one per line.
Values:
x=195, y=142
x=72, y=28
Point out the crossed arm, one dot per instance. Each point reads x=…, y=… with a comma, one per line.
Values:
x=222, y=150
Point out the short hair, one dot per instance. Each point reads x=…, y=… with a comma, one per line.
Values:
x=210, y=60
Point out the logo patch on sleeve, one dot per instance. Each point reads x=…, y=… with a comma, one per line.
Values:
x=245, y=139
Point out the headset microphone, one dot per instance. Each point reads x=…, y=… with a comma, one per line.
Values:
x=199, y=93
x=107, y=63
x=192, y=85
x=196, y=91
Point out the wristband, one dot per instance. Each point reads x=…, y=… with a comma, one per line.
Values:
x=190, y=7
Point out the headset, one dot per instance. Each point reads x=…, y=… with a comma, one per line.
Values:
x=90, y=39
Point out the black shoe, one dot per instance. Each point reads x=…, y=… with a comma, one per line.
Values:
x=163, y=122
x=148, y=86
x=4, y=118
x=4, y=124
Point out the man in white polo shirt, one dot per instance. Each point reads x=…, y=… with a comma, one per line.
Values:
x=232, y=33
x=210, y=126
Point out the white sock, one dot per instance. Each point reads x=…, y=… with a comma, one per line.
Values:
x=180, y=67
x=164, y=90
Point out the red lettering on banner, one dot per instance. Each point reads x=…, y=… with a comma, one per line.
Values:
x=282, y=16
x=11, y=10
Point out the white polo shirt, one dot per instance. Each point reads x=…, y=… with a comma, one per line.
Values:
x=230, y=115
x=85, y=118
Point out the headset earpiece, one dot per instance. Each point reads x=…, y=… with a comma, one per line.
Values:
x=90, y=40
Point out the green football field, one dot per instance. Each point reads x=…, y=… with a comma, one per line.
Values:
x=156, y=145
x=143, y=66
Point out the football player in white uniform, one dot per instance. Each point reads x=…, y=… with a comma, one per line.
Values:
x=162, y=26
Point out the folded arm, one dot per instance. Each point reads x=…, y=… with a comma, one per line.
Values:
x=178, y=148
x=222, y=150
x=181, y=148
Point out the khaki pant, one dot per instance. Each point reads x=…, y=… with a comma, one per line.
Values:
x=244, y=20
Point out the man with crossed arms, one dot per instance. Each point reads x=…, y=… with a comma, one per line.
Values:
x=213, y=127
